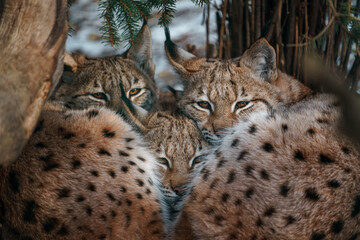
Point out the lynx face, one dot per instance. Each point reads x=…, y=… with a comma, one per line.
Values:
x=220, y=92
x=97, y=81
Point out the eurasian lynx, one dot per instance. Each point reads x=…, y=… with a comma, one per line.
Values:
x=97, y=81
x=219, y=92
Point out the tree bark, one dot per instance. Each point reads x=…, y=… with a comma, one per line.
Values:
x=33, y=34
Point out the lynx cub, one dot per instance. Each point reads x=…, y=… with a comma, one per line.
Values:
x=97, y=81
x=219, y=92
x=84, y=174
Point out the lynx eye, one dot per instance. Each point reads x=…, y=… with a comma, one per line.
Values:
x=241, y=104
x=196, y=160
x=134, y=91
x=204, y=104
x=164, y=161
x=99, y=95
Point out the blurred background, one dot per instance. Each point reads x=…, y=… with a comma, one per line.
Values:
x=328, y=31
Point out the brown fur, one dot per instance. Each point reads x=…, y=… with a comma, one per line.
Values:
x=223, y=83
x=285, y=175
x=84, y=174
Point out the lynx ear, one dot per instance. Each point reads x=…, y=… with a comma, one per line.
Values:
x=261, y=59
x=179, y=58
x=141, y=51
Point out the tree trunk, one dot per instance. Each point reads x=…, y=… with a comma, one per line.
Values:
x=33, y=34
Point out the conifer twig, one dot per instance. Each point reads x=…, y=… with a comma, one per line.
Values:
x=111, y=38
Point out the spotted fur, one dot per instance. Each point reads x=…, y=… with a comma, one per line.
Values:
x=84, y=174
x=289, y=174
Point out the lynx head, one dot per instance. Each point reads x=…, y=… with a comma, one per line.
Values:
x=97, y=80
x=219, y=92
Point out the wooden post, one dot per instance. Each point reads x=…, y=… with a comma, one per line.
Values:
x=33, y=34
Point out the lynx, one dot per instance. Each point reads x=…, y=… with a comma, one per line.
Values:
x=84, y=174
x=219, y=92
x=281, y=174
x=96, y=82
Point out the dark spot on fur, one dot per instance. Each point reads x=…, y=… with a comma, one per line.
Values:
x=62, y=231
x=225, y=197
x=299, y=156
x=290, y=220
x=252, y=129
x=337, y=226
x=113, y=213
x=214, y=183
x=248, y=170
x=128, y=139
x=235, y=143
x=13, y=181
x=284, y=127
x=80, y=199
x=141, y=170
x=75, y=163
x=94, y=173
x=61, y=129
x=141, y=159
x=128, y=202
x=323, y=120
x=148, y=191
x=209, y=211
x=269, y=212
x=108, y=134
x=92, y=113
x=356, y=207
x=237, y=202
x=124, y=169
x=259, y=222
x=353, y=237
x=69, y=135
x=317, y=236
x=325, y=159
x=152, y=222
x=345, y=150
x=221, y=163
x=112, y=173
x=50, y=224
x=121, y=153
x=40, y=145
x=29, y=211
x=347, y=170
x=264, y=175
x=249, y=192
x=103, y=217
x=131, y=163
x=268, y=147
x=242, y=155
x=284, y=190
x=139, y=182
x=91, y=187
x=205, y=173
x=219, y=219
x=119, y=203
x=122, y=189
x=104, y=152
x=217, y=153
x=82, y=145
x=155, y=232
x=88, y=210
x=64, y=193
x=46, y=158
x=231, y=176
x=334, y=183
x=310, y=193
x=50, y=166
x=110, y=196
x=311, y=131
x=138, y=196
x=129, y=148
